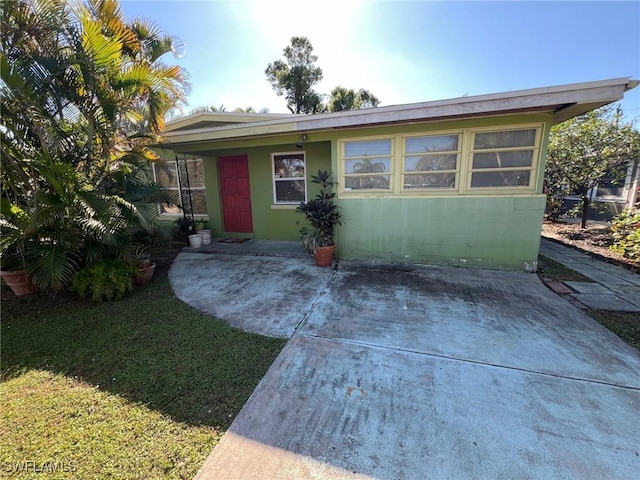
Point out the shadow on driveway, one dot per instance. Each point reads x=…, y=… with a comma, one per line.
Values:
x=261, y=294
x=431, y=372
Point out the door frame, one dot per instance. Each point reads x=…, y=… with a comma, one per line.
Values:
x=245, y=157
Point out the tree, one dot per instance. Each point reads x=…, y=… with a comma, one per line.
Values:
x=365, y=165
x=586, y=149
x=342, y=99
x=83, y=94
x=222, y=108
x=295, y=77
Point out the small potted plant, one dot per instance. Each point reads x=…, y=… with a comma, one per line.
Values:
x=14, y=242
x=323, y=216
x=143, y=267
x=12, y=270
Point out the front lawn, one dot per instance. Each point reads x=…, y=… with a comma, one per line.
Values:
x=140, y=388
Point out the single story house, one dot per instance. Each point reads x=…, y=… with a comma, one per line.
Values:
x=455, y=182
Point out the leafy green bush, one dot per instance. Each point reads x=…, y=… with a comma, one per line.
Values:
x=107, y=280
x=322, y=214
x=553, y=209
x=626, y=235
x=184, y=228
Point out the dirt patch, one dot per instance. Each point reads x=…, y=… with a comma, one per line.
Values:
x=594, y=240
x=164, y=256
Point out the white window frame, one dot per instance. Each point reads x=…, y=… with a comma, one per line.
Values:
x=275, y=179
x=178, y=188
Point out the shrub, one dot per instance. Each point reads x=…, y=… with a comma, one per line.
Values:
x=322, y=214
x=553, y=209
x=184, y=228
x=626, y=235
x=110, y=279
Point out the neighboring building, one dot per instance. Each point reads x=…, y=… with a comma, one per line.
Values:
x=612, y=195
x=456, y=182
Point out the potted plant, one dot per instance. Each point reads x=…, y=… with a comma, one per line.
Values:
x=323, y=216
x=143, y=267
x=12, y=270
x=13, y=244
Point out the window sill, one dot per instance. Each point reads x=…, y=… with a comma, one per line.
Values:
x=434, y=195
x=180, y=215
x=284, y=206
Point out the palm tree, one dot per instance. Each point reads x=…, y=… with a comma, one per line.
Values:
x=365, y=165
x=83, y=94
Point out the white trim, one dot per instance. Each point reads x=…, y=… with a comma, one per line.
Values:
x=284, y=206
x=563, y=102
x=219, y=119
x=275, y=179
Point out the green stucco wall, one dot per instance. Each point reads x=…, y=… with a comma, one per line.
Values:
x=491, y=232
x=275, y=222
x=500, y=231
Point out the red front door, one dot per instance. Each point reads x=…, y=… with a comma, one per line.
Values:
x=236, y=193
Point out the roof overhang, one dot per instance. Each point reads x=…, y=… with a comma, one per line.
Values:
x=561, y=102
x=218, y=119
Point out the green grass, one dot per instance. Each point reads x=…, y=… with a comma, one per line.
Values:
x=548, y=268
x=139, y=388
x=624, y=324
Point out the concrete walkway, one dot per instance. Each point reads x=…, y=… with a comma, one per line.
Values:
x=269, y=295
x=409, y=372
x=614, y=288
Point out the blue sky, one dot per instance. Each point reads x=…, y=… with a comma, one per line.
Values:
x=402, y=51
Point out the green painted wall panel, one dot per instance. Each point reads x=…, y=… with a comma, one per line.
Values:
x=268, y=222
x=485, y=232
x=501, y=231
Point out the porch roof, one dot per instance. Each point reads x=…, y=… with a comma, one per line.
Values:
x=561, y=102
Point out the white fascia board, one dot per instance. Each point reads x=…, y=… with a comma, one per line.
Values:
x=221, y=118
x=572, y=99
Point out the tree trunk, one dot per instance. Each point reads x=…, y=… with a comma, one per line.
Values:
x=585, y=210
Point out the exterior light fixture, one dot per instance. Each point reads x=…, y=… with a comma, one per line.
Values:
x=303, y=138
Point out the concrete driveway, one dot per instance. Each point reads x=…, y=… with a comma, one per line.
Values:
x=425, y=372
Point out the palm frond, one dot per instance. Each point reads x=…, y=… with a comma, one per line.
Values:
x=50, y=265
x=104, y=52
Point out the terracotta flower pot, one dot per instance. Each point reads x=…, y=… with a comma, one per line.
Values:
x=324, y=256
x=19, y=282
x=143, y=275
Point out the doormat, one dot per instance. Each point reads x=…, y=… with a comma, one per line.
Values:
x=234, y=240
